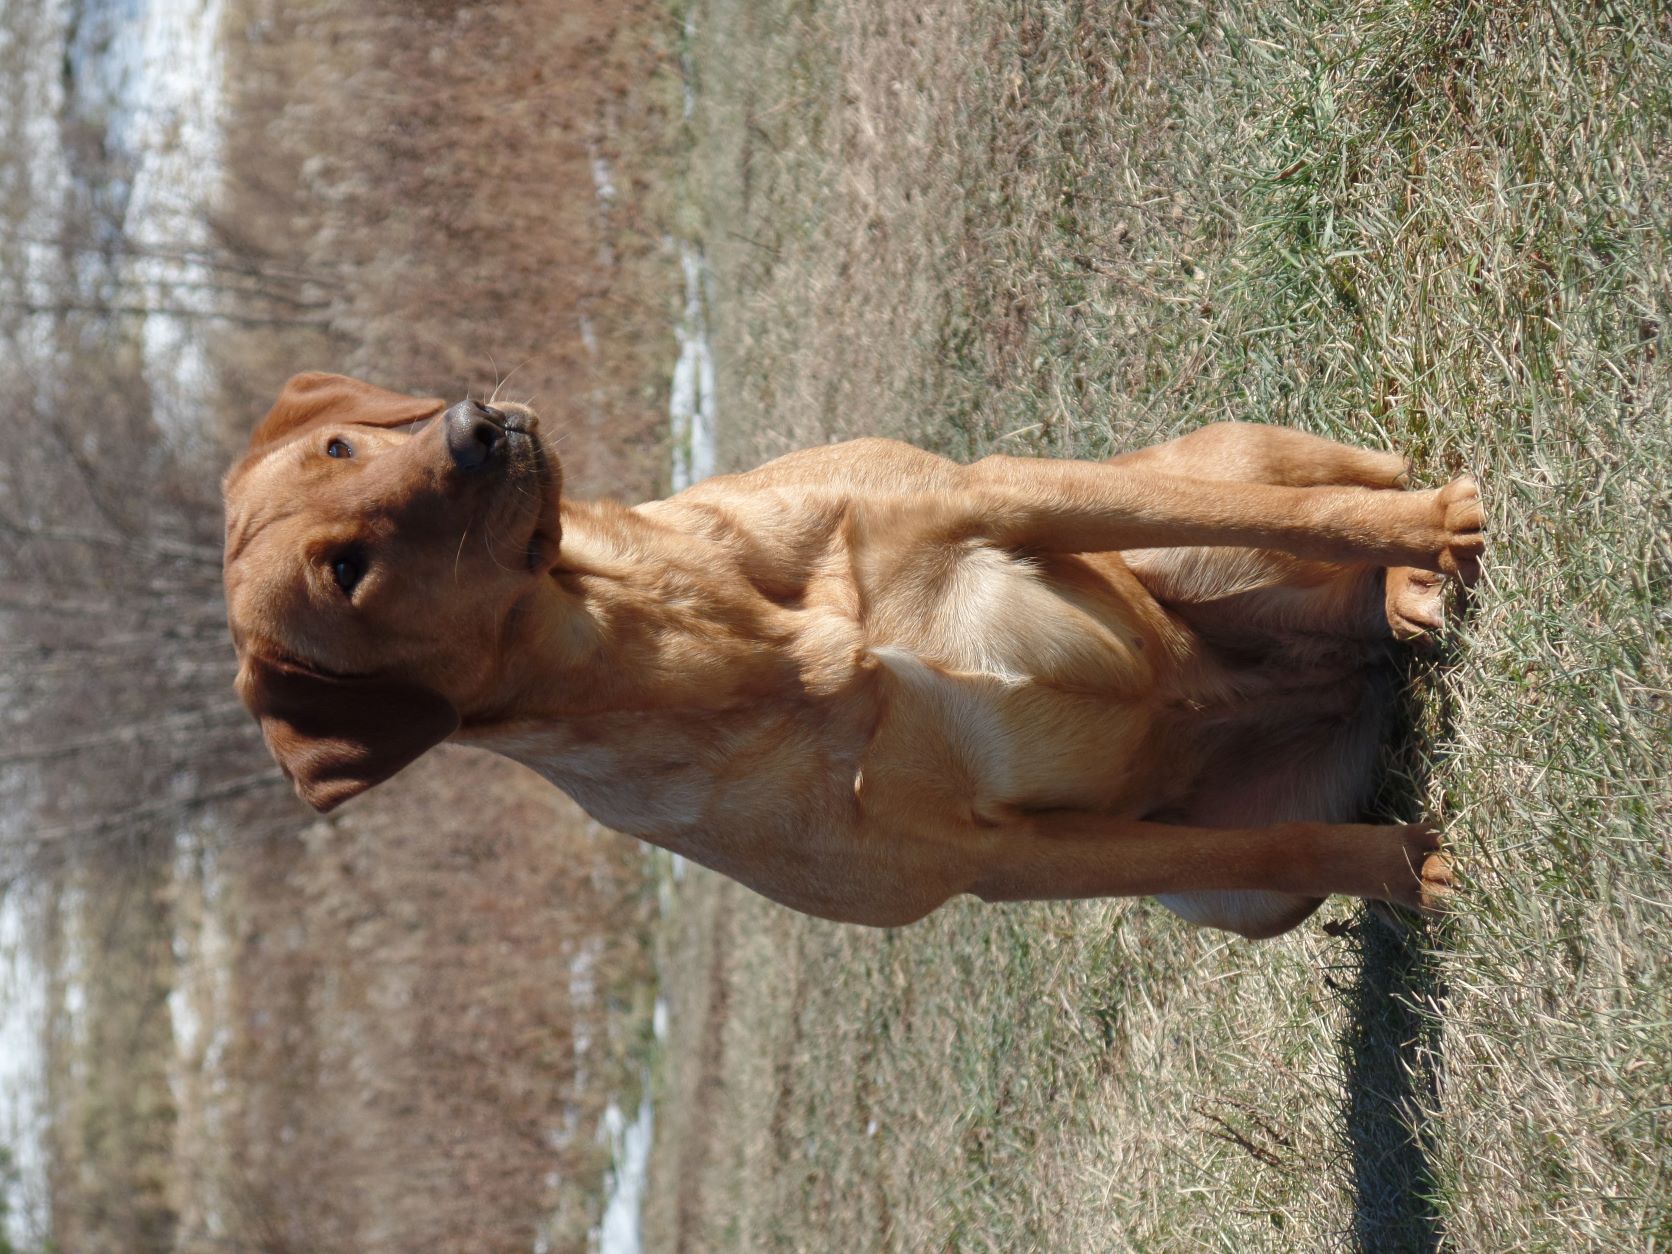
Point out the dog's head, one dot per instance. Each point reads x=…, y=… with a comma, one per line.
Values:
x=378, y=546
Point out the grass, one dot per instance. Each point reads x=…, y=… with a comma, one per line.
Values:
x=1068, y=228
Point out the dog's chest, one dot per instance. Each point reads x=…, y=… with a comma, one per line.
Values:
x=668, y=775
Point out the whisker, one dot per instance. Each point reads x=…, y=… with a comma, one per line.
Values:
x=488, y=544
x=460, y=554
x=503, y=381
x=491, y=542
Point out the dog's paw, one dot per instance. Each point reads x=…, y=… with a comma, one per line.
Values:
x=1438, y=878
x=1461, y=522
x=1415, y=602
x=1434, y=878
x=1427, y=887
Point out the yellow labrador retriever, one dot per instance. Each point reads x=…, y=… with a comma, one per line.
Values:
x=863, y=679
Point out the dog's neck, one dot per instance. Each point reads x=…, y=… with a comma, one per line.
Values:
x=635, y=615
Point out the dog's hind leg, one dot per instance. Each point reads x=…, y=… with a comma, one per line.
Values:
x=1067, y=854
x=1323, y=771
x=1251, y=452
x=1262, y=590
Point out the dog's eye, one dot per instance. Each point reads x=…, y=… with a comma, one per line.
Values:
x=346, y=569
x=339, y=448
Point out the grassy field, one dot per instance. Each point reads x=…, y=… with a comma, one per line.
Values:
x=1070, y=228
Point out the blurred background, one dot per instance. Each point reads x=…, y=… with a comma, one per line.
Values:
x=225, y=1023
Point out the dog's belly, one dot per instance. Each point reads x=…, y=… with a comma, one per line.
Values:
x=971, y=748
x=1033, y=684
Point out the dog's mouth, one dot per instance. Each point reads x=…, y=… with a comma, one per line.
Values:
x=534, y=475
x=501, y=447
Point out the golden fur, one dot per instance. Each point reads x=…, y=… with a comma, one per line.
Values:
x=863, y=679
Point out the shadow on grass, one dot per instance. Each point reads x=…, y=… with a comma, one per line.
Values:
x=1391, y=1046
x=1391, y=1061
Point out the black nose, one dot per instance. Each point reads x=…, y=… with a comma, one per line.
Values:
x=474, y=431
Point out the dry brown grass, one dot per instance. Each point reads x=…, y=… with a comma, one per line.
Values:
x=426, y=174
x=411, y=1063
x=409, y=1059
x=1075, y=227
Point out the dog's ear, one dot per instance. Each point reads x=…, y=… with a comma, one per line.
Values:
x=334, y=737
x=316, y=399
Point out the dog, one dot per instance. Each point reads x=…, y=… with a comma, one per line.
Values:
x=863, y=679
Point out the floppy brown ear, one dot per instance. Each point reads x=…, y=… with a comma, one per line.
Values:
x=313, y=398
x=334, y=737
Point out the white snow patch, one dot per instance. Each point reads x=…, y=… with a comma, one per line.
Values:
x=603, y=179
x=691, y=400
x=203, y=963
x=171, y=122
x=23, y=1118
x=621, y=1229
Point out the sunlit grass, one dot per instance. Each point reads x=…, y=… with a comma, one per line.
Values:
x=1070, y=228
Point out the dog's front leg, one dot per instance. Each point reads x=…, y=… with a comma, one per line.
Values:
x=1064, y=855
x=1083, y=507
